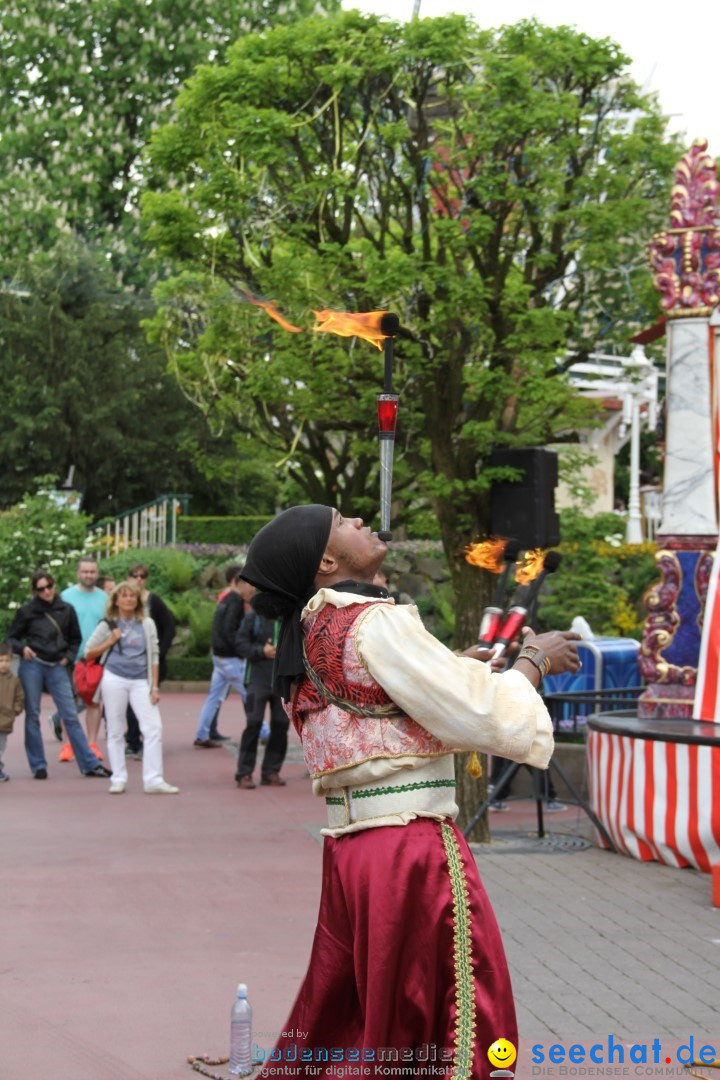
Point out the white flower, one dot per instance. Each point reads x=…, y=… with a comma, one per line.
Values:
x=56, y=562
x=12, y=604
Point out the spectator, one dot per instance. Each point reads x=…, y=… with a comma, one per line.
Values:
x=257, y=640
x=107, y=584
x=228, y=668
x=246, y=591
x=89, y=604
x=130, y=678
x=12, y=701
x=46, y=634
x=161, y=615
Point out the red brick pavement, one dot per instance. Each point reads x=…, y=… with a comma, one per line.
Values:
x=128, y=920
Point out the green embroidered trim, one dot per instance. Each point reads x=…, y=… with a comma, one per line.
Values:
x=397, y=789
x=462, y=951
x=332, y=801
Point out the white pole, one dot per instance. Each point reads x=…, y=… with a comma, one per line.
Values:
x=634, y=531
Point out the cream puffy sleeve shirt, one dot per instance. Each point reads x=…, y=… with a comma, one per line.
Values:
x=458, y=700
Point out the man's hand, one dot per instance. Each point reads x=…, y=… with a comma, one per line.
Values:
x=269, y=650
x=28, y=653
x=479, y=652
x=63, y=662
x=559, y=647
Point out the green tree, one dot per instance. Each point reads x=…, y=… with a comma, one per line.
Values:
x=487, y=186
x=82, y=84
x=495, y=189
x=81, y=386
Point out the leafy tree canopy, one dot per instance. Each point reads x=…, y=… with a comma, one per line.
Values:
x=82, y=84
x=495, y=188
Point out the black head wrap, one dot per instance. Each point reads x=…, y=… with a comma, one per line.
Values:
x=282, y=561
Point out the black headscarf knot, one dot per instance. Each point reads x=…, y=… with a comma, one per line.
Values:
x=283, y=560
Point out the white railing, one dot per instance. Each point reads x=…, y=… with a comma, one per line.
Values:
x=149, y=526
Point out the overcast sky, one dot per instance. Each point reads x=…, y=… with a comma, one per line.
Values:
x=675, y=56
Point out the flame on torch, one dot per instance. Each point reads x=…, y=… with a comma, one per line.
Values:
x=530, y=567
x=362, y=324
x=488, y=554
x=270, y=307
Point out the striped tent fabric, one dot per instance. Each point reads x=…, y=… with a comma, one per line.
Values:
x=658, y=800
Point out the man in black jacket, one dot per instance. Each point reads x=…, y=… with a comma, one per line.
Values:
x=228, y=668
x=46, y=634
x=256, y=641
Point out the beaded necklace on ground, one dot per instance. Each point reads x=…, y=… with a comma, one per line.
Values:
x=198, y=1062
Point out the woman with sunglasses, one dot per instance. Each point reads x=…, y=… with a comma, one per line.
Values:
x=46, y=634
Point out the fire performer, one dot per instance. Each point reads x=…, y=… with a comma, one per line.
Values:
x=407, y=956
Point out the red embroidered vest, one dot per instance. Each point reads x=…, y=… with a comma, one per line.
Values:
x=333, y=737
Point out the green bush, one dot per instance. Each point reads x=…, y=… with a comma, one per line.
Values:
x=601, y=577
x=170, y=570
x=189, y=668
x=37, y=534
x=201, y=620
x=218, y=530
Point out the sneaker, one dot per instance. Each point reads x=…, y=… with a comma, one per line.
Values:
x=134, y=755
x=553, y=807
x=162, y=788
x=56, y=725
x=96, y=750
x=99, y=770
x=208, y=744
x=3, y=777
x=117, y=787
x=66, y=754
x=495, y=807
x=40, y=774
x=245, y=782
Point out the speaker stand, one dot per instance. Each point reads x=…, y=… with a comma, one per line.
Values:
x=538, y=777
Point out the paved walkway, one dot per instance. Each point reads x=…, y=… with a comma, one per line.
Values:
x=127, y=921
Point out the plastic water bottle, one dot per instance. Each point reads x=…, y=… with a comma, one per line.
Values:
x=241, y=1034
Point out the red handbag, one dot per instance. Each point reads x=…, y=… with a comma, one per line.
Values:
x=88, y=674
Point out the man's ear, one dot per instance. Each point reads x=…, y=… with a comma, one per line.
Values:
x=328, y=565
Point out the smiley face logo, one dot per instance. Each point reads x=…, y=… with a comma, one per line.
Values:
x=502, y=1053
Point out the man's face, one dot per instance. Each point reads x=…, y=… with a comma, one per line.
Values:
x=244, y=588
x=87, y=574
x=5, y=662
x=354, y=545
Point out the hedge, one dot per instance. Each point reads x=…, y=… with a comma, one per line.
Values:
x=189, y=668
x=218, y=530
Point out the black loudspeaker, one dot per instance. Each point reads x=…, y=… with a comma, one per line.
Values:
x=525, y=509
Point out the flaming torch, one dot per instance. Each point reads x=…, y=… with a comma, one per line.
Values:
x=490, y=555
x=379, y=328
x=535, y=568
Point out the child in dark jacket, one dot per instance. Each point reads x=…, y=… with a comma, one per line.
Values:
x=12, y=701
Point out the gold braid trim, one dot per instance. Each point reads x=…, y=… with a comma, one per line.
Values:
x=462, y=950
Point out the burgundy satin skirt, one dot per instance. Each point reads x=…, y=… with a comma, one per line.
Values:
x=407, y=974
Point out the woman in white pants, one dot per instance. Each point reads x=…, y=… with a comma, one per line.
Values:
x=129, y=644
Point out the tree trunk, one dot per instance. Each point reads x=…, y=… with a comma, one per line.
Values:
x=473, y=590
